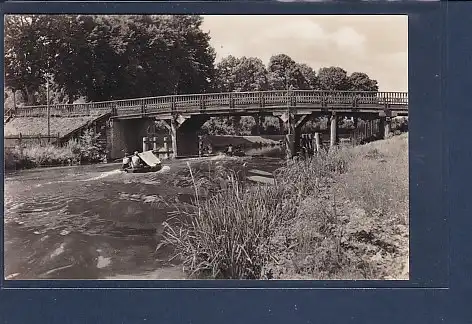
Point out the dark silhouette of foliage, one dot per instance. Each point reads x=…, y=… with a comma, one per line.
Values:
x=107, y=57
x=333, y=78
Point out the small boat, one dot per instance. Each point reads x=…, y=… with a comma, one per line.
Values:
x=151, y=163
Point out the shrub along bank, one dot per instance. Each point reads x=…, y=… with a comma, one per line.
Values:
x=339, y=215
x=85, y=149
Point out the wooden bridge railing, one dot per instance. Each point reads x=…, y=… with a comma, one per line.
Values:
x=224, y=101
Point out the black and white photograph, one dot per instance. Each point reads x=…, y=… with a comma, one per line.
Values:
x=177, y=147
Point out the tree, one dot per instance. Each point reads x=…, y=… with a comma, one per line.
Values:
x=225, y=79
x=251, y=75
x=285, y=73
x=280, y=70
x=241, y=74
x=309, y=80
x=108, y=57
x=25, y=53
x=333, y=78
x=359, y=81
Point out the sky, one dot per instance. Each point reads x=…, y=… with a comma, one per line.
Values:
x=376, y=44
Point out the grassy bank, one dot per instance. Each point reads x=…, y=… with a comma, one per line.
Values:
x=82, y=150
x=341, y=215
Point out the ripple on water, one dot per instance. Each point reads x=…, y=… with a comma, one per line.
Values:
x=58, y=251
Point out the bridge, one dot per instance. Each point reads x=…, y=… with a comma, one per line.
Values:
x=185, y=114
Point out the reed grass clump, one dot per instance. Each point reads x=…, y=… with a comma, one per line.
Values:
x=231, y=234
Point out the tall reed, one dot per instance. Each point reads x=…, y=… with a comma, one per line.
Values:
x=231, y=234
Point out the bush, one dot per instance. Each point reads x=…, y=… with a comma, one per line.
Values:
x=82, y=150
x=86, y=148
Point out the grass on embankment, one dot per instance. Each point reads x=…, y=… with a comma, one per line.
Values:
x=341, y=215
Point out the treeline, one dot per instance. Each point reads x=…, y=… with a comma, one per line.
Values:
x=106, y=57
x=282, y=72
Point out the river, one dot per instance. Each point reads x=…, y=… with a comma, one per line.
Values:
x=96, y=222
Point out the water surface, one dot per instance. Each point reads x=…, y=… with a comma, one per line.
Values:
x=96, y=222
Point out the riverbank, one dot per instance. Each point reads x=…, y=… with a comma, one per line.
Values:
x=35, y=156
x=341, y=215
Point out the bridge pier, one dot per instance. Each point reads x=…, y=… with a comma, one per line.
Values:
x=294, y=124
x=126, y=136
x=333, y=140
x=386, y=133
x=237, y=125
x=384, y=127
x=259, y=119
x=184, y=131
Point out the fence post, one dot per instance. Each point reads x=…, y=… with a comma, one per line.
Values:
x=309, y=143
x=154, y=144
x=145, y=144
x=231, y=101
x=317, y=142
x=201, y=103
x=173, y=103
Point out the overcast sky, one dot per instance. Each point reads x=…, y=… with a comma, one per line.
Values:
x=376, y=45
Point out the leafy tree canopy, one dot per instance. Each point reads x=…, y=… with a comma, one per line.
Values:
x=107, y=57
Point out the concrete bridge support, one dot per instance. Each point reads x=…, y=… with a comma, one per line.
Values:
x=125, y=136
x=333, y=140
x=237, y=125
x=184, y=134
x=387, y=127
x=282, y=126
x=384, y=127
x=259, y=120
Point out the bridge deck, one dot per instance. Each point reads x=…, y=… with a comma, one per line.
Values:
x=233, y=103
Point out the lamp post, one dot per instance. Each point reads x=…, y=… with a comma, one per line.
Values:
x=46, y=44
x=47, y=106
x=287, y=75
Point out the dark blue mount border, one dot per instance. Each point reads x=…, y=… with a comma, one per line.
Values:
x=440, y=213
x=429, y=248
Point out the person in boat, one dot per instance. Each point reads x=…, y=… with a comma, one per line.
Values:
x=135, y=161
x=126, y=161
x=229, y=151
